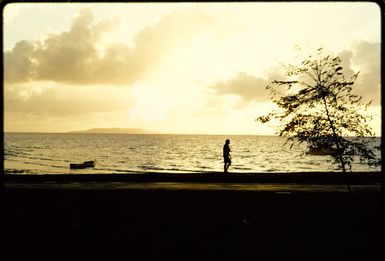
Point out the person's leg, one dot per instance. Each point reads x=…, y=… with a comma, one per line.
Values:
x=228, y=165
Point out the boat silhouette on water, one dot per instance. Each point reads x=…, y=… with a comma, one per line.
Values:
x=86, y=164
x=320, y=151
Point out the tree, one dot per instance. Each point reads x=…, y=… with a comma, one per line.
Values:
x=317, y=106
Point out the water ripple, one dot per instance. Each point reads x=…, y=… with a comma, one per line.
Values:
x=52, y=153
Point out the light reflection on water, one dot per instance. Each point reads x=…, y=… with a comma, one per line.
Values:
x=52, y=153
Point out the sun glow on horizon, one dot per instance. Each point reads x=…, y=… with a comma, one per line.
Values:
x=198, y=68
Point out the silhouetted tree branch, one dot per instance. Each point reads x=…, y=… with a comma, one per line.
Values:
x=317, y=106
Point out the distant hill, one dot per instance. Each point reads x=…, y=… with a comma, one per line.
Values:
x=115, y=131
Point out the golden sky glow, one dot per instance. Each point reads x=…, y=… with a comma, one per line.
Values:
x=171, y=67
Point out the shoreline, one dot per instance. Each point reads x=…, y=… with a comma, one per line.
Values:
x=136, y=222
x=193, y=214
x=209, y=177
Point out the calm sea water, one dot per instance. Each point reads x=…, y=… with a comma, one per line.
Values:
x=119, y=153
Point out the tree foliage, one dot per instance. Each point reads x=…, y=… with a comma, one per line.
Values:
x=317, y=106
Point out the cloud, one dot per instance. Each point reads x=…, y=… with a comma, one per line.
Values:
x=57, y=101
x=363, y=56
x=366, y=57
x=64, y=57
x=18, y=66
x=246, y=86
x=73, y=56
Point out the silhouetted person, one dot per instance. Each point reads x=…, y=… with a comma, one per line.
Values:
x=226, y=155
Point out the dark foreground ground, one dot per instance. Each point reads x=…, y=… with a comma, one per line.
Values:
x=67, y=222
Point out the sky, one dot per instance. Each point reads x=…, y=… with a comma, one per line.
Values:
x=189, y=68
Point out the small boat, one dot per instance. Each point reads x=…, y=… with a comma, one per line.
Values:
x=320, y=151
x=77, y=166
x=90, y=163
x=86, y=164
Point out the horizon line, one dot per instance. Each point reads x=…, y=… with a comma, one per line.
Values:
x=152, y=133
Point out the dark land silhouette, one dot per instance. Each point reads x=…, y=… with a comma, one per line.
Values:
x=115, y=131
x=54, y=215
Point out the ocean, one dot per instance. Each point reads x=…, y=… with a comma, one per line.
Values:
x=52, y=153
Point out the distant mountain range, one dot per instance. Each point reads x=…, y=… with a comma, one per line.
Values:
x=115, y=131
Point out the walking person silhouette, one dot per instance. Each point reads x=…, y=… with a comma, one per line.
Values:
x=226, y=156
